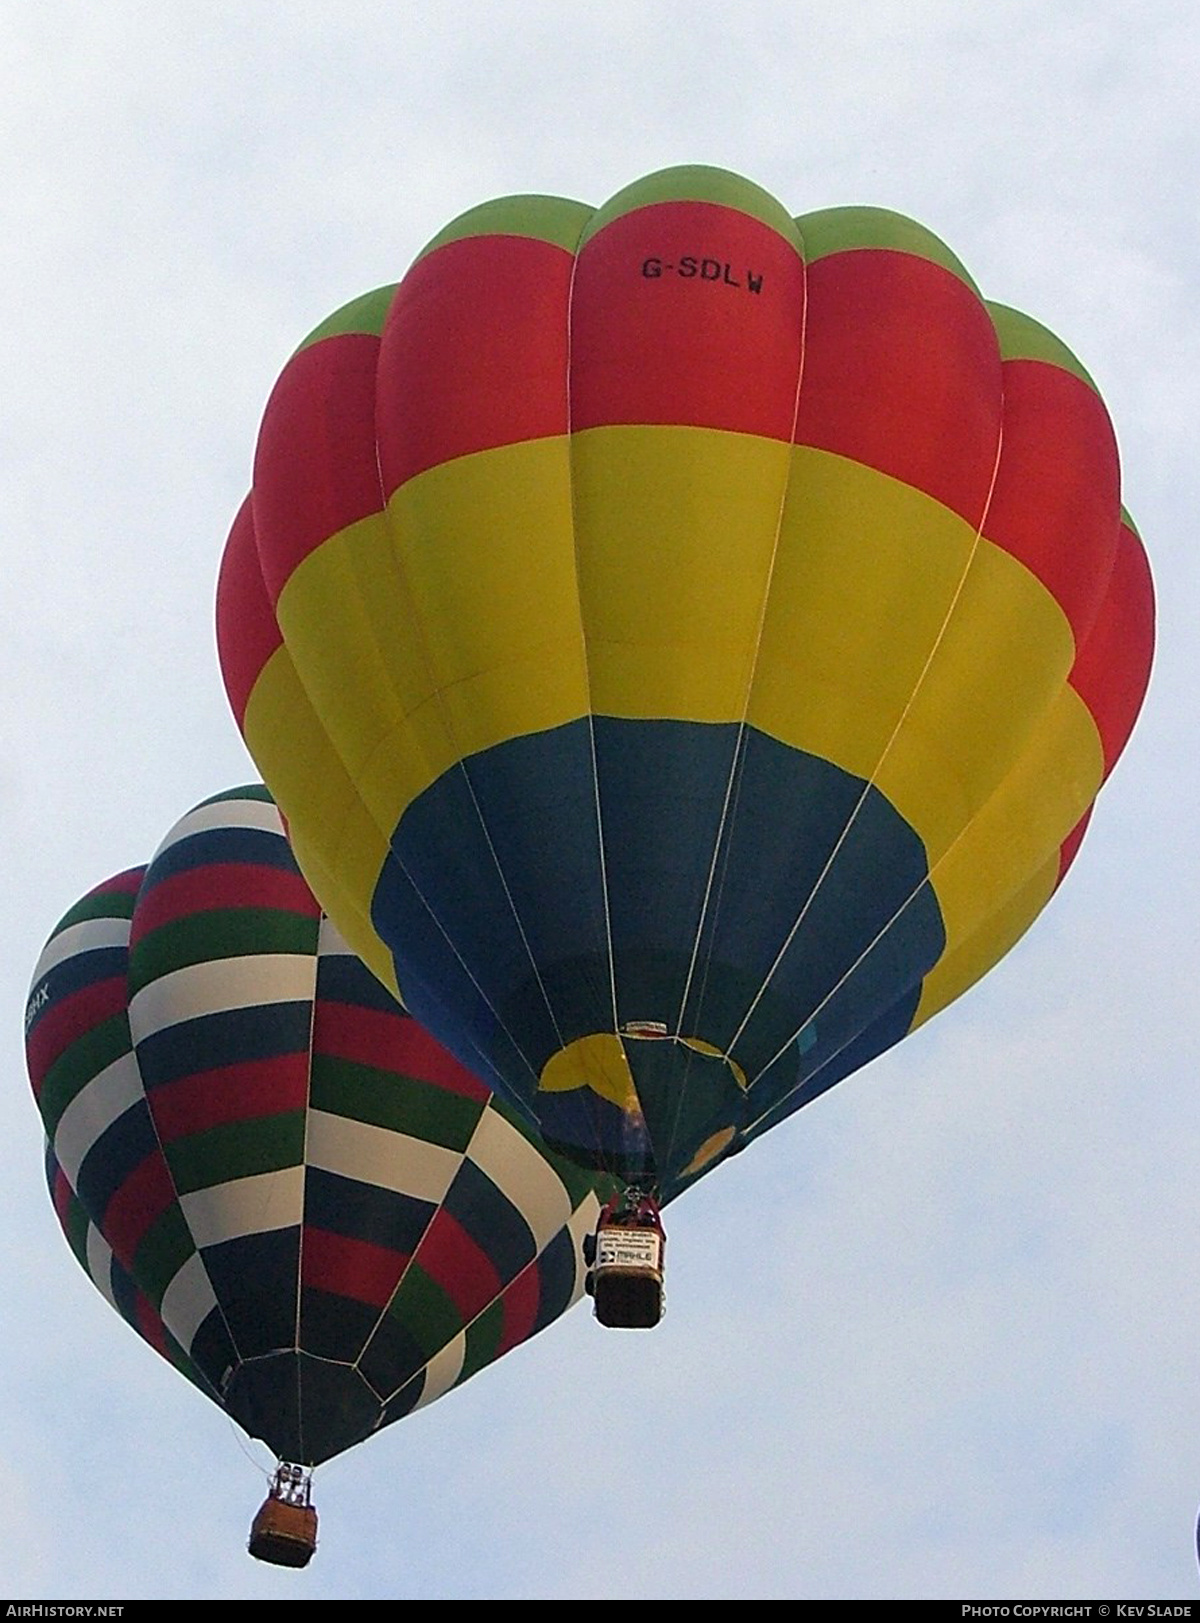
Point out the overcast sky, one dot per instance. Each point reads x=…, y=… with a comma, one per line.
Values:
x=939, y=1334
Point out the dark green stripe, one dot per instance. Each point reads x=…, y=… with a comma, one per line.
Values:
x=483, y=1339
x=165, y=1247
x=844, y=230
x=235, y=932
x=80, y=1063
x=697, y=183
x=247, y=791
x=240, y=1149
x=366, y=314
x=1024, y=339
x=107, y=904
x=557, y=220
x=426, y=1312
x=76, y=1230
x=402, y=1104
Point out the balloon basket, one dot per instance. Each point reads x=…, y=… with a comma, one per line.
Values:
x=625, y=1280
x=628, y=1301
x=284, y=1532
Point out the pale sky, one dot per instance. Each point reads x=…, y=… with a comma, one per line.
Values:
x=937, y=1335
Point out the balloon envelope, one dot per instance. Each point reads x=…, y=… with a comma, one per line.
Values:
x=269, y=1168
x=686, y=642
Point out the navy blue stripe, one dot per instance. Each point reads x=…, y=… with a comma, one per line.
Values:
x=491, y=1220
x=255, y=1279
x=536, y=798
x=343, y=979
x=662, y=788
x=436, y=989
x=212, y=1352
x=304, y=1410
x=229, y=1037
x=406, y=1399
x=859, y=904
x=781, y=1090
x=72, y=975
x=800, y=839
x=125, y=1293
x=391, y=1359
x=333, y=1326
x=116, y=1154
x=556, y=1273
x=264, y=1399
x=257, y=847
x=364, y=1211
x=337, y=1410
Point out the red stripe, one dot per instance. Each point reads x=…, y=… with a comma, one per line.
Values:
x=248, y=1091
x=150, y=1327
x=1070, y=846
x=68, y=1019
x=902, y=373
x=391, y=1042
x=122, y=884
x=136, y=1207
x=451, y=1257
x=1057, y=502
x=666, y=326
x=354, y=1268
x=63, y=1196
x=247, y=632
x=215, y=885
x=520, y=1301
x=315, y=469
x=474, y=353
x=1113, y=667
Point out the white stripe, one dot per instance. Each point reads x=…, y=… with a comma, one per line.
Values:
x=99, y=1103
x=226, y=983
x=255, y=1205
x=378, y=1155
x=442, y=1370
x=88, y=935
x=224, y=814
x=188, y=1301
x=99, y=1264
x=522, y=1173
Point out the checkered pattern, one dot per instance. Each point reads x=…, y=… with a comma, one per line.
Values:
x=305, y=1198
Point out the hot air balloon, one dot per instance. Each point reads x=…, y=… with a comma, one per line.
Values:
x=686, y=642
x=272, y=1171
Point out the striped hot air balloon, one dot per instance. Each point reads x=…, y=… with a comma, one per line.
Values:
x=268, y=1167
x=686, y=642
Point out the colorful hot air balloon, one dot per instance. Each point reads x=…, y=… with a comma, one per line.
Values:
x=294, y=1193
x=686, y=643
